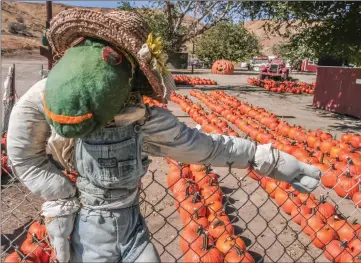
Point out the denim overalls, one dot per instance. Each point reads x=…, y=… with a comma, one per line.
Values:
x=110, y=163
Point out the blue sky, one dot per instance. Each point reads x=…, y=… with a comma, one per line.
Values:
x=109, y=4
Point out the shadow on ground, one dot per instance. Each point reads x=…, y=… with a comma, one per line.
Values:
x=346, y=123
x=15, y=239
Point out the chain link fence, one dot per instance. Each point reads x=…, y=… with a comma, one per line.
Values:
x=190, y=209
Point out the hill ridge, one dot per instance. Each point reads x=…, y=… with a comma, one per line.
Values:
x=32, y=17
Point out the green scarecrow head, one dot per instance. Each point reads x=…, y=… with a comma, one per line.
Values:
x=87, y=87
x=103, y=59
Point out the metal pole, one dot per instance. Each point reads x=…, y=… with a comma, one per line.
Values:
x=49, y=16
x=193, y=58
x=195, y=31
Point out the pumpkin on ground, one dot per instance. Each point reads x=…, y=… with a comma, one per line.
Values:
x=224, y=67
x=39, y=251
x=226, y=242
x=203, y=252
x=237, y=255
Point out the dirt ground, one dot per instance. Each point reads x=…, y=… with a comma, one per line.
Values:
x=268, y=232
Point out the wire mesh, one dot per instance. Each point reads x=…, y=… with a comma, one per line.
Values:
x=224, y=214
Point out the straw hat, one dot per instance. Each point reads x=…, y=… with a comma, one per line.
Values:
x=124, y=30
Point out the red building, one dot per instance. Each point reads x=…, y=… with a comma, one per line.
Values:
x=309, y=65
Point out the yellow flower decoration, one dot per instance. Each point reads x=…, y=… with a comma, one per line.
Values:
x=155, y=46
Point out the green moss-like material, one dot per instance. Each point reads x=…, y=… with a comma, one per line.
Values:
x=82, y=82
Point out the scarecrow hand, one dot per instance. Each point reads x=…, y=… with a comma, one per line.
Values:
x=284, y=167
x=59, y=221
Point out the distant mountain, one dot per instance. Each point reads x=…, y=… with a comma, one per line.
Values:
x=267, y=41
x=22, y=25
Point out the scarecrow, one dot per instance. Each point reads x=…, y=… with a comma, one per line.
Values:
x=88, y=116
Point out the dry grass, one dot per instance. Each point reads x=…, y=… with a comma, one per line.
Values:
x=11, y=42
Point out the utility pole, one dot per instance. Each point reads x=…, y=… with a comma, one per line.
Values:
x=194, y=37
x=49, y=16
x=47, y=52
x=193, y=56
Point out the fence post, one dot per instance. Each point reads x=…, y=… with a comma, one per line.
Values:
x=41, y=71
x=8, y=98
x=49, y=15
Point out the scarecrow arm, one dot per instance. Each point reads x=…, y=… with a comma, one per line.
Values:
x=165, y=136
x=27, y=137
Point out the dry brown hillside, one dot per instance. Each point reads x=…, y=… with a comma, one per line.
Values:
x=267, y=41
x=28, y=19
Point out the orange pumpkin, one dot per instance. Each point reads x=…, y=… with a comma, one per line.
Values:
x=224, y=67
x=204, y=252
x=218, y=228
x=239, y=256
x=226, y=242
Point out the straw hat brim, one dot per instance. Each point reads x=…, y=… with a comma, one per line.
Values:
x=124, y=30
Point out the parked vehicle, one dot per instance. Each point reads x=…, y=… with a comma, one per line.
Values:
x=245, y=65
x=257, y=62
x=275, y=69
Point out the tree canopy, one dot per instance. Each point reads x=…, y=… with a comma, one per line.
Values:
x=315, y=29
x=312, y=28
x=227, y=41
x=179, y=22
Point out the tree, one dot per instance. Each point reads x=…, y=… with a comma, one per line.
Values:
x=156, y=19
x=322, y=28
x=227, y=41
x=172, y=20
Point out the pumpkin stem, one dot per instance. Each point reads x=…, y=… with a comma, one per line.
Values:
x=322, y=157
x=205, y=241
x=211, y=181
x=313, y=210
x=353, y=222
x=208, y=169
x=34, y=240
x=322, y=198
x=348, y=175
x=343, y=244
x=349, y=161
x=195, y=197
x=229, y=238
x=196, y=213
x=239, y=251
x=199, y=231
x=188, y=187
x=218, y=223
x=331, y=165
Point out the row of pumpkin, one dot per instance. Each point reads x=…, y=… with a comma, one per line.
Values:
x=35, y=249
x=340, y=238
x=285, y=86
x=185, y=80
x=207, y=234
x=340, y=161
